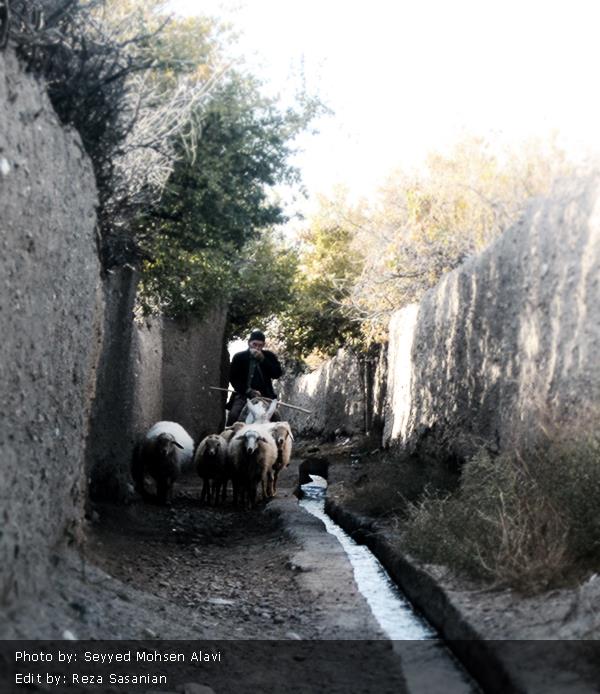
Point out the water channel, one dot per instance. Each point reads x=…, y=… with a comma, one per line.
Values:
x=428, y=664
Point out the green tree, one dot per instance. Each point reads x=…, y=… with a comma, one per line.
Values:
x=315, y=323
x=206, y=239
x=360, y=263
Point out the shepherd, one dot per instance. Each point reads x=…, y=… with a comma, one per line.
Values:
x=251, y=374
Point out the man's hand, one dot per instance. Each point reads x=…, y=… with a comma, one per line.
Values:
x=253, y=394
x=257, y=354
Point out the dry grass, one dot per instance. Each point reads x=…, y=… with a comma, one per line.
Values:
x=526, y=519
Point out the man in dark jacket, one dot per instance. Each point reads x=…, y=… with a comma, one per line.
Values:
x=251, y=374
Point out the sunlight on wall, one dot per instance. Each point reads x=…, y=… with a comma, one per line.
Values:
x=400, y=364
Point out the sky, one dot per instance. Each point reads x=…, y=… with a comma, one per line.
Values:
x=407, y=78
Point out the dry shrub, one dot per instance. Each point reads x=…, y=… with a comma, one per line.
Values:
x=526, y=519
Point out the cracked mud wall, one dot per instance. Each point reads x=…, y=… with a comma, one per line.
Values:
x=50, y=320
x=510, y=337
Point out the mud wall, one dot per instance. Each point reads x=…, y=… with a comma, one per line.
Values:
x=507, y=339
x=151, y=369
x=147, y=357
x=111, y=426
x=50, y=321
x=335, y=394
x=192, y=362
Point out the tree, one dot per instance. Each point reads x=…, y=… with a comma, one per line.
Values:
x=361, y=263
x=210, y=227
x=315, y=322
x=424, y=226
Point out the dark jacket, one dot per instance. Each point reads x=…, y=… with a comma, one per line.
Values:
x=264, y=372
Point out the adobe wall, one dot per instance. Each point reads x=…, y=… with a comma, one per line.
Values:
x=510, y=338
x=51, y=309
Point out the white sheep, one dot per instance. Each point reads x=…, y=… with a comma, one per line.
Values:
x=161, y=454
x=282, y=435
x=252, y=453
x=211, y=464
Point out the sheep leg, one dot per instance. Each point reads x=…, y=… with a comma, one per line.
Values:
x=252, y=494
x=204, y=492
x=271, y=483
x=216, y=491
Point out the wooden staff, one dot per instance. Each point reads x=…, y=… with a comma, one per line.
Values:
x=283, y=404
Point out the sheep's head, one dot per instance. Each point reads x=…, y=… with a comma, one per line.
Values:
x=213, y=445
x=281, y=432
x=251, y=439
x=166, y=444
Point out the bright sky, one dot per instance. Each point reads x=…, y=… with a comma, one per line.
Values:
x=404, y=78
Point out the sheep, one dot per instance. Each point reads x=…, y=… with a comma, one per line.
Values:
x=252, y=452
x=211, y=463
x=258, y=410
x=161, y=454
x=229, y=432
x=282, y=434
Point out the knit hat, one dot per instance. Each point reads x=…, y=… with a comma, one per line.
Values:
x=257, y=335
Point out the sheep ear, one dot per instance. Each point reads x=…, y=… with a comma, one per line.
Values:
x=262, y=438
x=178, y=445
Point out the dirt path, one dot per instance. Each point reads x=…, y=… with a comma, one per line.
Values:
x=231, y=569
x=270, y=581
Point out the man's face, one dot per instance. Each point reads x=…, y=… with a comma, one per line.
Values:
x=256, y=344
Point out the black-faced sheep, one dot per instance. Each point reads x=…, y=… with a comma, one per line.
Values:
x=252, y=453
x=282, y=434
x=161, y=454
x=211, y=464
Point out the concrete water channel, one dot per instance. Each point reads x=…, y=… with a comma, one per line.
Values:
x=427, y=663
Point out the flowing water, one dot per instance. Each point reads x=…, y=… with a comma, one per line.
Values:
x=427, y=663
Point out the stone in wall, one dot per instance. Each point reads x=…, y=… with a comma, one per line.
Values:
x=510, y=337
x=335, y=395
x=50, y=321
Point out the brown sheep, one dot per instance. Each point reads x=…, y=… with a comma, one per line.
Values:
x=252, y=452
x=282, y=434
